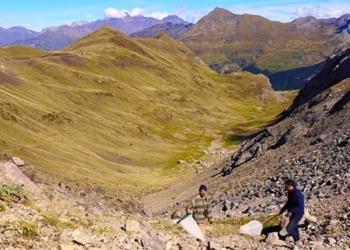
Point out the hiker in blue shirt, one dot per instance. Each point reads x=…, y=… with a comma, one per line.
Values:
x=295, y=209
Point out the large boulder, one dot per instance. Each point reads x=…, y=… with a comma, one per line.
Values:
x=11, y=174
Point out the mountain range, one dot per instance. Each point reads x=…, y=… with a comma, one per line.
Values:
x=58, y=37
x=289, y=54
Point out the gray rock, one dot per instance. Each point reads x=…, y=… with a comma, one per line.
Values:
x=273, y=239
x=18, y=161
x=11, y=174
x=132, y=226
x=148, y=212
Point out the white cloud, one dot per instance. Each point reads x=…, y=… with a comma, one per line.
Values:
x=283, y=11
x=180, y=10
x=158, y=15
x=278, y=12
x=336, y=13
x=319, y=12
x=286, y=11
x=305, y=11
x=194, y=16
x=111, y=12
x=191, y=15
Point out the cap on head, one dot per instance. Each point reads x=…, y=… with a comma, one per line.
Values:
x=290, y=182
x=203, y=187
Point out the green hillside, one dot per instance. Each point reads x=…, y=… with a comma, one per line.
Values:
x=119, y=113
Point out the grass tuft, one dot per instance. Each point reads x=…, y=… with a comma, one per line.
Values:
x=12, y=192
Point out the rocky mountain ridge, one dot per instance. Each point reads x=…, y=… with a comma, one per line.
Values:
x=17, y=33
x=288, y=53
x=171, y=29
x=58, y=37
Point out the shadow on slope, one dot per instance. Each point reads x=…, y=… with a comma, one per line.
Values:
x=289, y=79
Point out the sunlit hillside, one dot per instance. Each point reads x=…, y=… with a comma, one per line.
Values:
x=119, y=113
x=257, y=44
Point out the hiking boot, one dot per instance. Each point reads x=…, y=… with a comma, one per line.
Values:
x=289, y=242
x=295, y=246
x=201, y=243
x=202, y=246
x=283, y=232
x=298, y=243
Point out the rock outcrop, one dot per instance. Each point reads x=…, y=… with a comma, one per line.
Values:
x=311, y=145
x=11, y=174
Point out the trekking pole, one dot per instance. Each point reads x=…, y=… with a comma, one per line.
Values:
x=273, y=217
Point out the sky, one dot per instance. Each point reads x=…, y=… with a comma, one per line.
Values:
x=39, y=14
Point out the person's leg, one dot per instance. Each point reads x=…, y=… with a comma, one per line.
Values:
x=293, y=228
x=202, y=227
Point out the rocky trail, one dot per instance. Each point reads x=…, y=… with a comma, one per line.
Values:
x=55, y=218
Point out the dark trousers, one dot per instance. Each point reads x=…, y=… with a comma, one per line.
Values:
x=292, y=228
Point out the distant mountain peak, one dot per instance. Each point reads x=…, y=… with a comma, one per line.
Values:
x=106, y=35
x=17, y=28
x=174, y=19
x=343, y=20
x=78, y=23
x=221, y=11
x=219, y=14
x=51, y=28
x=128, y=17
x=303, y=20
x=20, y=29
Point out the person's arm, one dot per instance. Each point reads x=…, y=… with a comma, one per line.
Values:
x=191, y=207
x=285, y=207
x=209, y=214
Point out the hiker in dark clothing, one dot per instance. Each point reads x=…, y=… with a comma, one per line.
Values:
x=295, y=210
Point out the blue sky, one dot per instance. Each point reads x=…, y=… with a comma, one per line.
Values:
x=39, y=14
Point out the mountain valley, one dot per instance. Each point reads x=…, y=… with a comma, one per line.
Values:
x=105, y=141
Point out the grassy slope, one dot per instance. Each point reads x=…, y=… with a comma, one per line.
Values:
x=118, y=112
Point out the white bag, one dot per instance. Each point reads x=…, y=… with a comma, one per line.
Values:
x=191, y=226
x=253, y=228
